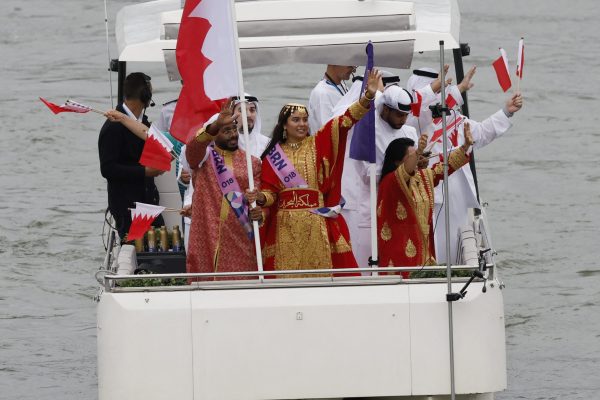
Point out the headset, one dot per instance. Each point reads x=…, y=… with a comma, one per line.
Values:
x=146, y=93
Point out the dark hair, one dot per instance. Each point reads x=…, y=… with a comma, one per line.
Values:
x=395, y=152
x=137, y=87
x=277, y=134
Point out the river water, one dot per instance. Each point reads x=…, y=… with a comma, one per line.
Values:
x=541, y=181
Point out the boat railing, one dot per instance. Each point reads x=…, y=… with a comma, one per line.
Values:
x=243, y=280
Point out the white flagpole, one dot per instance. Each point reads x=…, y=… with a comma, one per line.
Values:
x=373, y=198
x=519, y=64
x=242, y=96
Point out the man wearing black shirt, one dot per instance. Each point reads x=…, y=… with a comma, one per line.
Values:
x=127, y=180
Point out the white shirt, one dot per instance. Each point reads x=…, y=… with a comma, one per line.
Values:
x=483, y=134
x=131, y=115
x=385, y=134
x=166, y=116
x=258, y=143
x=323, y=99
x=424, y=123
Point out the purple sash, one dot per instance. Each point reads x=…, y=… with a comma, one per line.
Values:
x=290, y=178
x=284, y=169
x=231, y=190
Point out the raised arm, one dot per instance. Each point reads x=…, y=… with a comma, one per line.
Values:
x=497, y=124
x=456, y=159
x=136, y=127
x=333, y=134
x=196, y=148
x=109, y=151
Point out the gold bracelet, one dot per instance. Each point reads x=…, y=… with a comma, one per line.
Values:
x=369, y=98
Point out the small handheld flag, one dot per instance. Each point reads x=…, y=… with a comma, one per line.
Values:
x=157, y=151
x=69, y=106
x=520, y=59
x=142, y=217
x=501, y=67
x=415, y=107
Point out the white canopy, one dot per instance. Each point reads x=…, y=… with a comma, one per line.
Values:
x=318, y=31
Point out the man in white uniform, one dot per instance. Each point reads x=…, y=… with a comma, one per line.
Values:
x=258, y=144
x=163, y=123
x=462, y=193
x=326, y=94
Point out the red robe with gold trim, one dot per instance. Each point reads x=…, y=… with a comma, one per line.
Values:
x=294, y=237
x=405, y=214
x=217, y=241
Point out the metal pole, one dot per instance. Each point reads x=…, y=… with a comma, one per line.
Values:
x=122, y=68
x=460, y=74
x=447, y=220
x=242, y=97
x=112, y=104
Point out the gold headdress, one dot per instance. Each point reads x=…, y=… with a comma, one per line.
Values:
x=293, y=107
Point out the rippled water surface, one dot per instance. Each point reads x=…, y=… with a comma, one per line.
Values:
x=542, y=183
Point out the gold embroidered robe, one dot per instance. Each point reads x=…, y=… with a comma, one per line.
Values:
x=294, y=237
x=404, y=214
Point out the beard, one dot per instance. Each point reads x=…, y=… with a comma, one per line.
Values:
x=230, y=146
x=241, y=128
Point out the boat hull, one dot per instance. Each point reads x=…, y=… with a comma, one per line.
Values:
x=364, y=340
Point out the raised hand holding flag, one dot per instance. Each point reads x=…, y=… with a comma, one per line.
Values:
x=501, y=67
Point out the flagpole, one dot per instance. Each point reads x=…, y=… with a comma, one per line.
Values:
x=242, y=97
x=520, y=63
x=373, y=198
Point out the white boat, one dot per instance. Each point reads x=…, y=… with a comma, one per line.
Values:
x=368, y=336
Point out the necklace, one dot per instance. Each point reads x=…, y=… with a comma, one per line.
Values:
x=294, y=146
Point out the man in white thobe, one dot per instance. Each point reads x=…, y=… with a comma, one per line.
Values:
x=461, y=185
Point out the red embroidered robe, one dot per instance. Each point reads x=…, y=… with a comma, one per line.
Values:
x=405, y=214
x=217, y=241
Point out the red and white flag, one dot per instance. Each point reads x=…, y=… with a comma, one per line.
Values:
x=450, y=104
x=157, y=150
x=142, y=217
x=501, y=67
x=69, y=106
x=521, y=58
x=207, y=64
x=415, y=107
x=452, y=125
x=451, y=101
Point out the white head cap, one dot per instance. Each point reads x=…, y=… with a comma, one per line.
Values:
x=397, y=98
x=420, y=78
